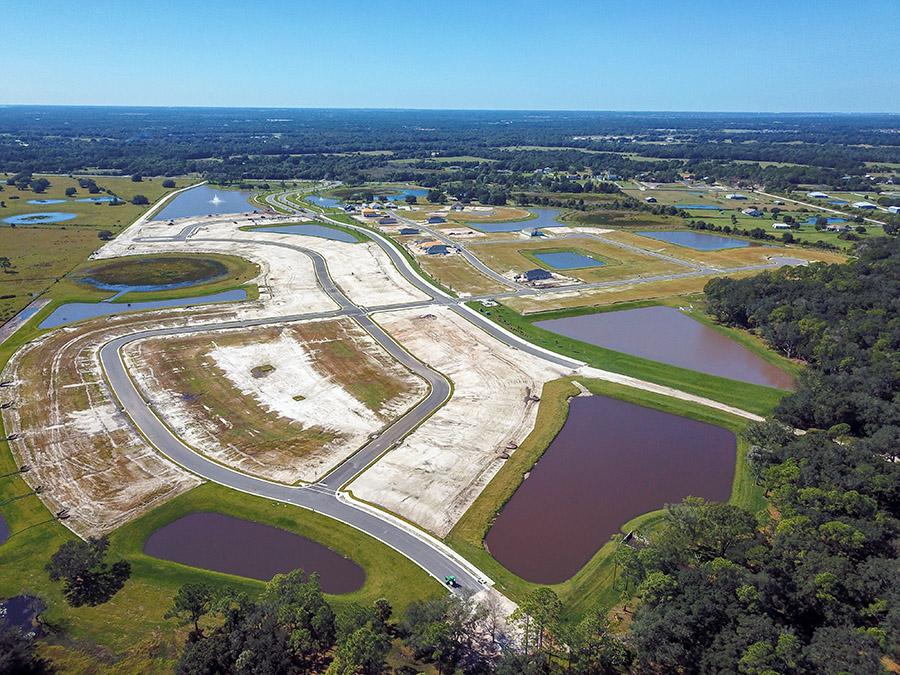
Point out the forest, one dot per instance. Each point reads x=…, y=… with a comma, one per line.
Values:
x=356, y=145
x=809, y=586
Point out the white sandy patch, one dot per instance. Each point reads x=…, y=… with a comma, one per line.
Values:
x=439, y=470
x=326, y=405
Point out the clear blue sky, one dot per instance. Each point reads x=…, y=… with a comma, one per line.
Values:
x=725, y=55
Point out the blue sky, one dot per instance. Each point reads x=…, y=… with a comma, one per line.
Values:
x=725, y=55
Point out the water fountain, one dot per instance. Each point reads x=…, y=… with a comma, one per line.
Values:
x=216, y=199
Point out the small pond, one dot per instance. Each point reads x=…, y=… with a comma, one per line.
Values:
x=410, y=192
x=567, y=260
x=99, y=200
x=204, y=200
x=223, y=543
x=545, y=218
x=696, y=240
x=77, y=311
x=700, y=207
x=324, y=202
x=122, y=289
x=4, y=530
x=838, y=202
x=322, y=231
x=611, y=462
x=666, y=334
x=831, y=221
x=22, y=612
x=46, y=201
x=39, y=218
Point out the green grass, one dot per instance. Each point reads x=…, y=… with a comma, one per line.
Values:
x=592, y=586
x=751, y=397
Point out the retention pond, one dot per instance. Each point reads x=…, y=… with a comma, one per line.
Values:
x=76, y=311
x=321, y=231
x=696, y=240
x=543, y=218
x=231, y=545
x=204, y=200
x=612, y=461
x=669, y=335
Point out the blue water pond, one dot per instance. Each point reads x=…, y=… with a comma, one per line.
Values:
x=567, y=260
x=46, y=201
x=411, y=192
x=545, y=218
x=700, y=207
x=324, y=202
x=322, y=231
x=696, y=240
x=77, y=311
x=204, y=200
x=39, y=218
x=831, y=221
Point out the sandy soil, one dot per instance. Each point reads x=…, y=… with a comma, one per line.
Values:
x=282, y=402
x=439, y=470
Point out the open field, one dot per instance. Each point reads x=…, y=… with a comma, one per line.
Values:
x=95, y=215
x=40, y=255
x=455, y=273
x=592, y=586
x=755, y=254
x=129, y=633
x=441, y=467
x=619, y=263
x=284, y=403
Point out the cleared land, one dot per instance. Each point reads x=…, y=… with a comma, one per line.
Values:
x=619, y=263
x=732, y=257
x=455, y=273
x=285, y=403
x=441, y=467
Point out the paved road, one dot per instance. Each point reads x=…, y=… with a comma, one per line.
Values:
x=324, y=496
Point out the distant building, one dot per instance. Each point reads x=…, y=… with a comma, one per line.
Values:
x=894, y=209
x=409, y=230
x=837, y=227
x=387, y=220
x=736, y=195
x=817, y=195
x=864, y=205
x=370, y=213
x=436, y=220
x=650, y=200
x=437, y=249
x=457, y=206
x=780, y=226
x=536, y=275
x=755, y=213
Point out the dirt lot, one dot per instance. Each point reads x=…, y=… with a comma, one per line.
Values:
x=285, y=402
x=436, y=473
x=457, y=274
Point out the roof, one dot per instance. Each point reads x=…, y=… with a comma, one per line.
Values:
x=437, y=219
x=864, y=205
x=537, y=275
x=437, y=249
x=408, y=230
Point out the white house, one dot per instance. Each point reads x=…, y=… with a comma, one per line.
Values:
x=735, y=195
x=755, y=213
x=817, y=195
x=780, y=226
x=864, y=205
x=894, y=209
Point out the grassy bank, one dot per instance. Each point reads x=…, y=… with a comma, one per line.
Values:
x=592, y=585
x=751, y=397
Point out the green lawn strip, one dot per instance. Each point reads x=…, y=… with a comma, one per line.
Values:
x=592, y=585
x=356, y=234
x=751, y=397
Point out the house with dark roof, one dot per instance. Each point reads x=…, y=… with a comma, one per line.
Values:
x=387, y=220
x=536, y=275
x=436, y=220
x=437, y=249
x=409, y=230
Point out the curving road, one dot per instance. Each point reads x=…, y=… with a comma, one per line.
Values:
x=325, y=496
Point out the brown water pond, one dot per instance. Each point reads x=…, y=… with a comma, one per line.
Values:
x=669, y=335
x=612, y=461
x=223, y=543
